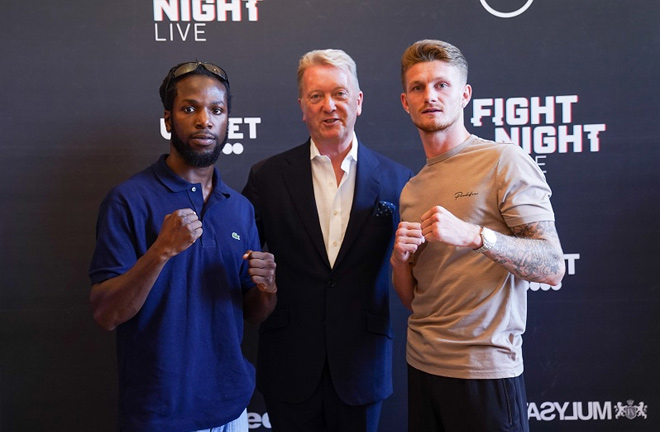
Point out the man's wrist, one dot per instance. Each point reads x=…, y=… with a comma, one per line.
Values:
x=396, y=262
x=488, y=240
x=158, y=254
x=478, y=241
x=269, y=291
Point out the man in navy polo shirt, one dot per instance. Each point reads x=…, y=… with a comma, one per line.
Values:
x=176, y=270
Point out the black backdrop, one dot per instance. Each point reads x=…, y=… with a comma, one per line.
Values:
x=574, y=82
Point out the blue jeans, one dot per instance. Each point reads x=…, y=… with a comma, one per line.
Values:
x=238, y=425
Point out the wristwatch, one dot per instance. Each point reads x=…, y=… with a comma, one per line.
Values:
x=488, y=238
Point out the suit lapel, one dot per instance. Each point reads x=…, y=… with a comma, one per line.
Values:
x=364, y=199
x=299, y=184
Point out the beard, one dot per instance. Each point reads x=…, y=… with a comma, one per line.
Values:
x=451, y=114
x=194, y=158
x=436, y=125
x=430, y=128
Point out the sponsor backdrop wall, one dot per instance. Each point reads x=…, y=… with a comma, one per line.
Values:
x=572, y=82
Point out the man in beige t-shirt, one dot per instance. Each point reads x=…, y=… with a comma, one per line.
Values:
x=477, y=226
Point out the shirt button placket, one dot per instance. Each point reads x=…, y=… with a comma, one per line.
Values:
x=195, y=198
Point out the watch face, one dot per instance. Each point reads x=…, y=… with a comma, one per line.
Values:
x=489, y=236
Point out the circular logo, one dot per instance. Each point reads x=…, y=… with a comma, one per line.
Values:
x=236, y=148
x=499, y=14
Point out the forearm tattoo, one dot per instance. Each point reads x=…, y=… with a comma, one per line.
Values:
x=534, y=254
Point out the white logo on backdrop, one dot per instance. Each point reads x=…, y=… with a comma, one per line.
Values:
x=512, y=14
x=256, y=420
x=540, y=125
x=240, y=128
x=570, y=270
x=631, y=411
x=185, y=20
x=585, y=411
x=571, y=411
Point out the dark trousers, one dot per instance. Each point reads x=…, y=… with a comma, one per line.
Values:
x=323, y=412
x=440, y=404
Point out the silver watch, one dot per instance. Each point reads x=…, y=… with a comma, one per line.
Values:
x=488, y=238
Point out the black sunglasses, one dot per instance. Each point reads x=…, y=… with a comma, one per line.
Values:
x=186, y=68
x=190, y=67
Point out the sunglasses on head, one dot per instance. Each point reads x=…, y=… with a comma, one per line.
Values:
x=190, y=67
x=186, y=68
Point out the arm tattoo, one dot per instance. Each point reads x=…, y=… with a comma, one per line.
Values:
x=533, y=253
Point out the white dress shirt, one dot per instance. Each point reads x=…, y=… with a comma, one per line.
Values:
x=333, y=202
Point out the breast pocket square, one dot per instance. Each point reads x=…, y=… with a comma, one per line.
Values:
x=384, y=209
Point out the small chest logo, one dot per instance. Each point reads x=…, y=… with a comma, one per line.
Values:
x=235, y=236
x=458, y=195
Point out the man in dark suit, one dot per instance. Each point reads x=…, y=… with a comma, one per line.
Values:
x=327, y=210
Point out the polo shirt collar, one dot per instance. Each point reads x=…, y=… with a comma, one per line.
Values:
x=176, y=184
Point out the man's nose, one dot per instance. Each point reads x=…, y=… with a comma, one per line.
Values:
x=430, y=95
x=329, y=104
x=204, y=119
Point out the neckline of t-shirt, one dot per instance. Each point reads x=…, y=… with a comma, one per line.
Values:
x=454, y=151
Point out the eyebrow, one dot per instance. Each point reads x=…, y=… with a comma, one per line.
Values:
x=334, y=89
x=413, y=83
x=436, y=78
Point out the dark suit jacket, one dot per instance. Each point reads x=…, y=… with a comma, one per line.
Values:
x=340, y=314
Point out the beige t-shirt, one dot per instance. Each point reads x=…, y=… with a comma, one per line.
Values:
x=469, y=313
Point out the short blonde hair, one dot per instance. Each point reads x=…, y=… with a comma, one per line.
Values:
x=330, y=57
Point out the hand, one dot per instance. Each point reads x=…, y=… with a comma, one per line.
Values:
x=179, y=231
x=407, y=239
x=439, y=224
x=262, y=270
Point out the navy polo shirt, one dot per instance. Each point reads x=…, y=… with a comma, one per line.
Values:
x=180, y=363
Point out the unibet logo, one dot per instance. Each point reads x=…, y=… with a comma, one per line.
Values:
x=239, y=128
x=570, y=270
x=256, y=420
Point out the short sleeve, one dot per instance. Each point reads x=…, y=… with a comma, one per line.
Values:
x=524, y=194
x=116, y=250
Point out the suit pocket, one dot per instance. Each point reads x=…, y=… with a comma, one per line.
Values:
x=379, y=325
x=278, y=319
x=383, y=221
x=383, y=213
